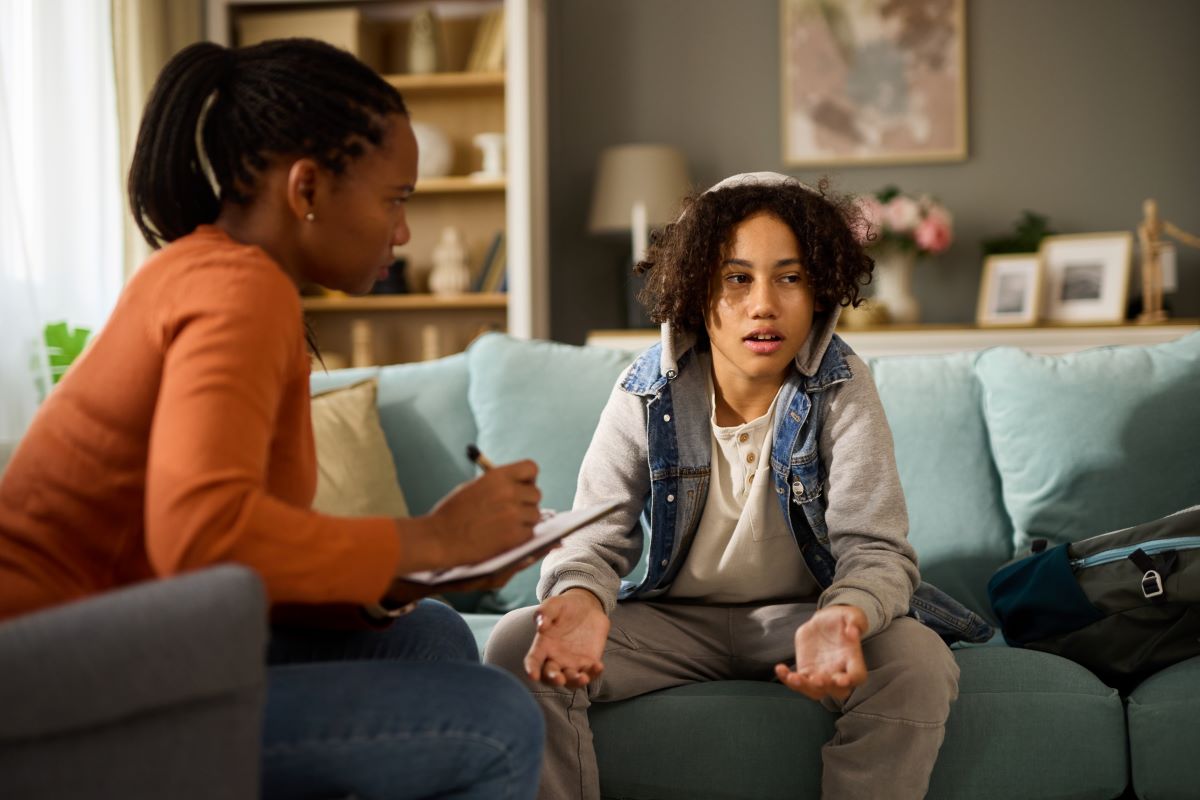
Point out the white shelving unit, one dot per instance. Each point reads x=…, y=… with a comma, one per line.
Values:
x=517, y=203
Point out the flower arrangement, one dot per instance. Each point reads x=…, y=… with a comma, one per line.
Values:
x=916, y=224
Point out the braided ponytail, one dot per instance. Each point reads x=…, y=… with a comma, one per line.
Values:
x=168, y=191
x=286, y=97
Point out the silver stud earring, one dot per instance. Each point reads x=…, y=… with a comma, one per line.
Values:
x=310, y=217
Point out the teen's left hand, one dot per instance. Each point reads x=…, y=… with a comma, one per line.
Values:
x=829, y=657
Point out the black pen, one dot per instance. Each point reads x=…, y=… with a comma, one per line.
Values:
x=480, y=460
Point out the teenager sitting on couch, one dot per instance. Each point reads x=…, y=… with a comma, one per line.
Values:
x=182, y=436
x=753, y=440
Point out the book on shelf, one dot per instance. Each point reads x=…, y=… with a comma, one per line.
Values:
x=490, y=271
x=487, y=49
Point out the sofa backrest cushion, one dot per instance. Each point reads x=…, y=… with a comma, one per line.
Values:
x=426, y=419
x=957, y=521
x=1096, y=440
x=538, y=400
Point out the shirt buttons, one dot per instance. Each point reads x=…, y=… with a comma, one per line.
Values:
x=670, y=498
x=750, y=458
x=742, y=437
x=663, y=563
x=666, y=417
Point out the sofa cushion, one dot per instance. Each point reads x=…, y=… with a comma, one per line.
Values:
x=1019, y=713
x=1093, y=441
x=425, y=417
x=356, y=475
x=1163, y=735
x=957, y=521
x=539, y=400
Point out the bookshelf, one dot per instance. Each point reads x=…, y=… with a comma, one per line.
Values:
x=461, y=102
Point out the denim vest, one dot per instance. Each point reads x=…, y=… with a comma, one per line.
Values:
x=678, y=436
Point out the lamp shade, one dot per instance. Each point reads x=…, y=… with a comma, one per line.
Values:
x=654, y=175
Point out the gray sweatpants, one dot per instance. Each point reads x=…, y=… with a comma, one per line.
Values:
x=886, y=739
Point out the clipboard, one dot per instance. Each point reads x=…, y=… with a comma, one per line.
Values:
x=545, y=533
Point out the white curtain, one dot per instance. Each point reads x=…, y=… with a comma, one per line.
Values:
x=60, y=188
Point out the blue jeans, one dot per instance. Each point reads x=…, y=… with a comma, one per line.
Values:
x=403, y=712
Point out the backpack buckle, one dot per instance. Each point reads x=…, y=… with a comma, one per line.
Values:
x=1152, y=585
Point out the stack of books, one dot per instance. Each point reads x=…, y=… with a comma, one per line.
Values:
x=487, y=51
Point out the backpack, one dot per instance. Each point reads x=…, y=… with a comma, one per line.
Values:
x=1124, y=604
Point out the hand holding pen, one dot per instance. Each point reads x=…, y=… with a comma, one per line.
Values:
x=489, y=514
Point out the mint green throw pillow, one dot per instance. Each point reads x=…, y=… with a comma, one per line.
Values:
x=538, y=400
x=957, y=521
x=1096, y=440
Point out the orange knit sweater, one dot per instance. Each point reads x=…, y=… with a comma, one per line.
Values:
x=181, y=438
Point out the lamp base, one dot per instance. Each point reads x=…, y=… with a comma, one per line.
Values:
x=635, y=312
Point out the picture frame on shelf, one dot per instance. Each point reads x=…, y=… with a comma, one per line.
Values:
x=873, y=83
x=1086, y=277
x=1010, y=291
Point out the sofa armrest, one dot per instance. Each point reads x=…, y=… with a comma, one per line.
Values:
x=147, y=647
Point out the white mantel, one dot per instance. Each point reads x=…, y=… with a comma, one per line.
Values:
x=938, y=339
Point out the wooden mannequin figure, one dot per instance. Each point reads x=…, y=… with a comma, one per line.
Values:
x=1150, y=235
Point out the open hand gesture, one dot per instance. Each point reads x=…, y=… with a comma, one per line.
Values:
x=571, y=631
x=829, y=657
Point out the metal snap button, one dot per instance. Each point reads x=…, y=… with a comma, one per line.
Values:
x=670, y=498
x=666, y=417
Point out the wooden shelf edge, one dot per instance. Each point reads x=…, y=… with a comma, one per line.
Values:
x=443, y=81
x=409, y=302
x=459, y=184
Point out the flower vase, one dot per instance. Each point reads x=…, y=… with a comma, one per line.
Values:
x=893, y=284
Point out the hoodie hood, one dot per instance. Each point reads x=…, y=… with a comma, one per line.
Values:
x=808, y=359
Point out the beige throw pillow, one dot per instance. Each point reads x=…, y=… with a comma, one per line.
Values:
x=356, y=476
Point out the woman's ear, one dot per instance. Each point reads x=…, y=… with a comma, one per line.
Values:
x=302, y=188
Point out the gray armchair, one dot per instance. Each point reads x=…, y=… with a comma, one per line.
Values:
x=153, y=691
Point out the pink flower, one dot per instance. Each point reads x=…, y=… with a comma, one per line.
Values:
x=934, y=233
x=902, y=214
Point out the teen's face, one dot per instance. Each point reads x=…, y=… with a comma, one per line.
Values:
x=362, y=213
x=761, y=308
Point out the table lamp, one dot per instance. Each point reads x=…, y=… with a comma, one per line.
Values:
x=637, y=186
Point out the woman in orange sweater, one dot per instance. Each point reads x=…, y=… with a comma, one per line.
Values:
x=182, y=437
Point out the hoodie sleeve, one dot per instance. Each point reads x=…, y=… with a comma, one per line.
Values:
x=616, y=466
x=865, y=513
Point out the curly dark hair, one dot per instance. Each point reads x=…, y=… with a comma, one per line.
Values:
x=684, y=255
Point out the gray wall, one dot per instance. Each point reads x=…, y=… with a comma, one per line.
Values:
x=1078, y=109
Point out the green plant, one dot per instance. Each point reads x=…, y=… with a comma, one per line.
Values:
x=1027, y=235
x=61, y=345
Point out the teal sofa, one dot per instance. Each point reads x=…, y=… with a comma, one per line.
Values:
x=993, y=449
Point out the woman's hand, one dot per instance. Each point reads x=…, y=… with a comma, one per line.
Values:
x=402, y=591
x=477, y=520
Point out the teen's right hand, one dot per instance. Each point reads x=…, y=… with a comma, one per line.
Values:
x=569, y=644
x=477, y=520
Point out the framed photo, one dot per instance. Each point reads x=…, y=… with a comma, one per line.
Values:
x=873, y=81
x=1086, y=276
x=1011, y=290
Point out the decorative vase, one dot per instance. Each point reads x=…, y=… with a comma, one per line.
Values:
x=436, y=151
x=893, y=284
x=451, y=274
x=423, y=55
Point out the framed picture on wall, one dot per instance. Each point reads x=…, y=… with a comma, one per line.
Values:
x=1011, y=290
x=1086, y=276
x=867, y=82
